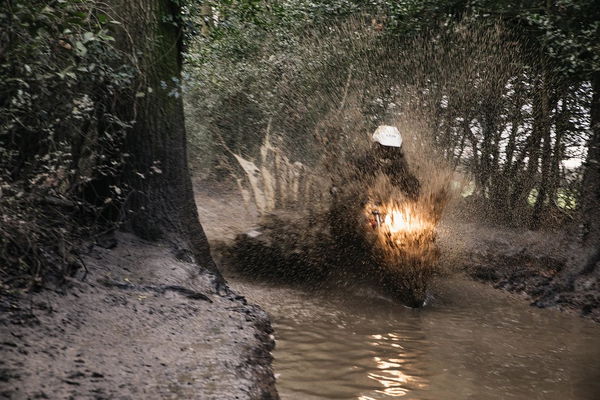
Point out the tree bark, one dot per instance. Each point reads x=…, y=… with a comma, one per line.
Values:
x=543, y=188
x=161, y=204
x=590, y=192
x=540, y=135
x=561, y=128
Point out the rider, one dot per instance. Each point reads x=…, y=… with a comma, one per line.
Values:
x=386, y=157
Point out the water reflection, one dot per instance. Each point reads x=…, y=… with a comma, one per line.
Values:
x=389, y=373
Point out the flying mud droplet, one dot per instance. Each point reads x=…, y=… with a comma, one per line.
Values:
x=319, y=118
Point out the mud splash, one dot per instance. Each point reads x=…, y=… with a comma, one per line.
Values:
x=327, y=235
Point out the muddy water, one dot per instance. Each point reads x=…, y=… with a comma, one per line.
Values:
x=470, y=342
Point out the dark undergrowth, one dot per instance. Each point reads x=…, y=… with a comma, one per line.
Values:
x=62, y=81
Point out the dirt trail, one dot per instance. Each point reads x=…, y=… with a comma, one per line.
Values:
x=223, y=213
x=142, y=325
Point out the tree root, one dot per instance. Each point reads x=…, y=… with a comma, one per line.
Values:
x=160, y=289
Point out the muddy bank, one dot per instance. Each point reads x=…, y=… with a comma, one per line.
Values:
x=548, y=268
x=142, y=324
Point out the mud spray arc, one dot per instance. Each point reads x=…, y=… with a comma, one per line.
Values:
x=304, y=186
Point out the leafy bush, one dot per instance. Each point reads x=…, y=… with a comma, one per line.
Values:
x=61, y=80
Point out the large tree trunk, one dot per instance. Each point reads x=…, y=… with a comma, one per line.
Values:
x=590, y=193
x=161, y=204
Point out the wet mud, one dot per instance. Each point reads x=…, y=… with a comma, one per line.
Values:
x=544, y=267
x=547, y=268
x=141, y=325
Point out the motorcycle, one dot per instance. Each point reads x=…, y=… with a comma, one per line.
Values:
x=371, y=234
x=391, y=239
x=403, y=242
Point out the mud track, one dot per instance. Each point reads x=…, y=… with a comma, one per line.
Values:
x=544, y=267
x=547, y=268
x=141, y=325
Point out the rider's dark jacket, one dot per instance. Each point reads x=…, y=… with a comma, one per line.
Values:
x=391, y=162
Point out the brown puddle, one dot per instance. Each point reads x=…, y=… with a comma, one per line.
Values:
x=470, y=342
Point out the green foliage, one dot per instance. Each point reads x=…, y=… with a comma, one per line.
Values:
x=61, y=79
x=282, y=65
x=570, y=34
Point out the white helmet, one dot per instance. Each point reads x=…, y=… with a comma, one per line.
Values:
x=387, y=135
